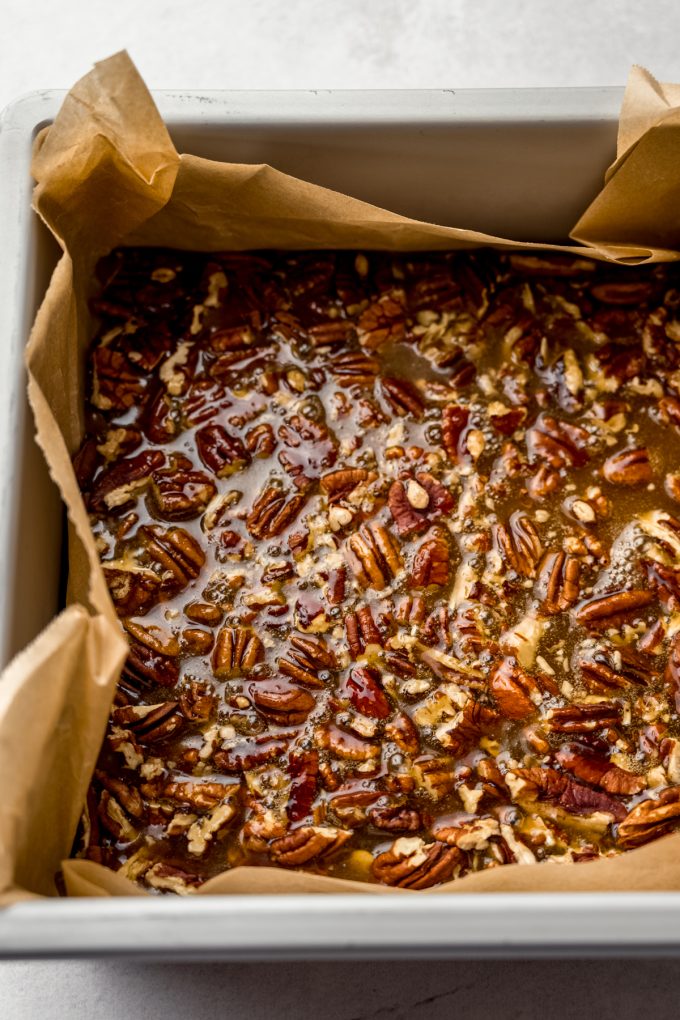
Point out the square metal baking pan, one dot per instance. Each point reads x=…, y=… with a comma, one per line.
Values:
x=521, y=164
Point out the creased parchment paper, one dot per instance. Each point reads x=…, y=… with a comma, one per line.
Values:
x=107, y=174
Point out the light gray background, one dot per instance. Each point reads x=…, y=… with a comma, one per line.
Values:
x=216, y=44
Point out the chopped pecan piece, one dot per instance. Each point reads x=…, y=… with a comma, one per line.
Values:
x=250, y=755
x=281, y=702
x=404, y=733
x=628, y=467
x=303, y=768
x=417, y=502
x=519, y=544
x=650, y=819
x=664, y=581
x=373, y=556
x=145, y=667
x=597, y=769
x=169, y=878
x=607, y=610
x=134, y=590
x=198, y=701
x=121, y=484
x=261, y=441
x=410, y=863
x=403, y=397
x=307, y=844
x=237, y=651
x=516, y=692
x=559, y=580
x=475, y=721
x=431, y=562
x=308, y=660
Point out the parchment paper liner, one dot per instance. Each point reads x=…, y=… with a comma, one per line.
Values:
x=108, y=174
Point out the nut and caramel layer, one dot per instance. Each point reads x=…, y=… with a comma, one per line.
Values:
x=395, y=540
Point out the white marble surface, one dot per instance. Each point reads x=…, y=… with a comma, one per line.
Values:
x=340, y=44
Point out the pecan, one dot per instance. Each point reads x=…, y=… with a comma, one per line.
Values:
x=272, y=513
x=404, y=733
x=195, y=641
x=671, y=676
x=351, y=807
x=607, y=669
x=307, y=844
x=127, y=796
x=583, y=718
x=373, y=556
x=396, y=819
x=115, y=820
x=281, y=702
x=607, y=610
x=345, y=745
x=515, y=691
x=308, y=660
x=403, y=397
x=261, y=441
x=333, y=332
x=146, y=667
x=650, y=819
x=551, y=265
x=475, y=721
x=116, y=384
x=340, y=484
x=198, y=795
x=177, y=553
x=431, y=562
x=519, y=544
x=382, y=321
x=664, y=582
x=149, y=723
x=559, y=580
x=416, y=503
x=198, y=701
x=203, y=612
x=237, y=651
x=410, y=863
x=628, y=467
x=120, y=485
x=669, y=410
x=506, y=420
x=454, y=422
x=560, y=444
x=222, y=453
x=364, y=689
x=303, y=768
x=169, y=878
x=435, y=776
x=540, y=784
x=597, y=769
x=361, y=631
x=633, y=292
x=355, y=369
x=180, y=495
x=134, y=589
x=250, y=755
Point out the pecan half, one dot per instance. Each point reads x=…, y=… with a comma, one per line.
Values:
x=345, y=745
x=650, y=819
x=583, y=718
x=340, y=484
x=396, y=819
x=146, y=667
x=560, y=444
x=415, y=503
x=540, y=784
x=281, y=702
x=364, y=689
x=431, y=562
x=628, y=467
x=597, y=769
x=198, y=701
x=307, y=844
x=272, y=512
x=402, y=397
x=559, y=581
x=355, y=369
x=404, y=733
x=664, y=582
x=177, y=553
x=607, y=610
x=454, y=422
x=516, y=692
x=261, y=441
x=250, y=755
x=116, y=383
x=201, y=796
x=382, y=321
x=373, y=556
x=308, y=660
x=410, y=863
x=607, y=669
x=474, y=722
x=237, y=650
x=121, y=484
x=303, y=768
x=149, y=723
x=361, y=631
x=351, y=807
x=221, y=452
x=178, y=495
x=435, y=776
x=519, y=544
x=134, y=590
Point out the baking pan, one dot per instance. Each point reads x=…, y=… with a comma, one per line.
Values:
x=522, y=164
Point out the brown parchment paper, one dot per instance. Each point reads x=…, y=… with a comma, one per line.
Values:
x=107, y=174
